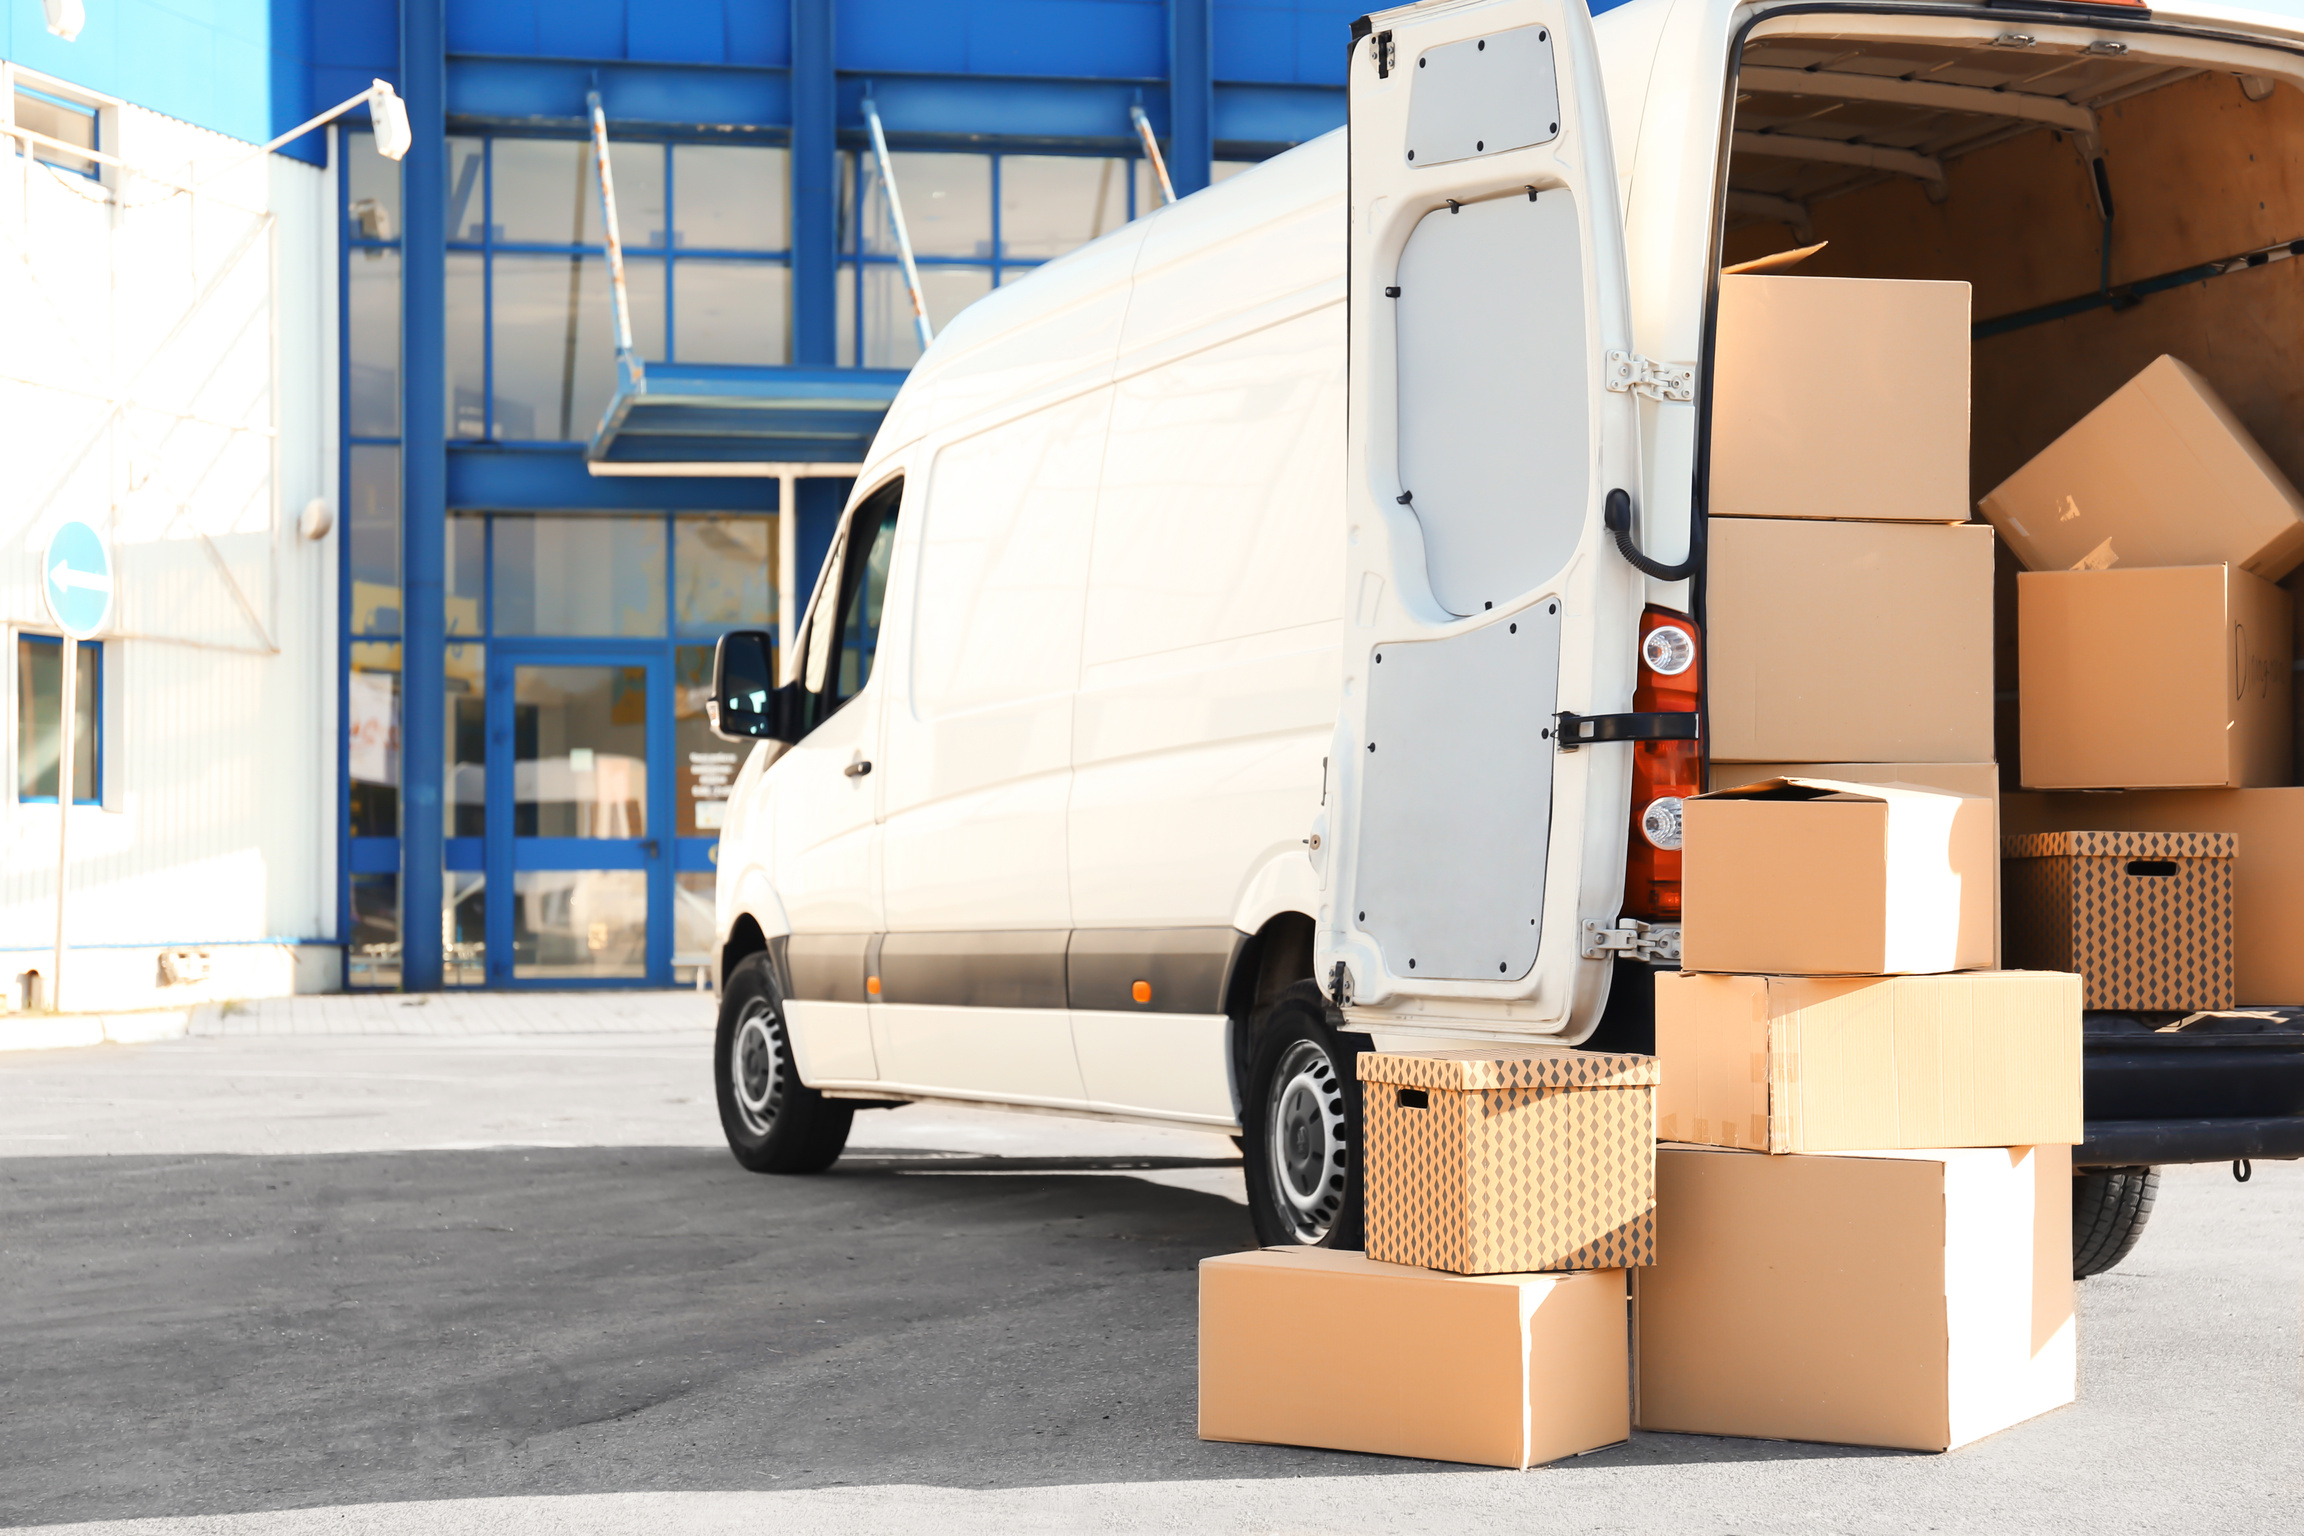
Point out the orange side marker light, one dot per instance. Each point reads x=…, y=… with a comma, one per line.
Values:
x=1142, y=991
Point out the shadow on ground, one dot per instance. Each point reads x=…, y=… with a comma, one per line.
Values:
x=215, y=1334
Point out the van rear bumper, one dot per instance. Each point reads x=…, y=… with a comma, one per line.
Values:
x=2227, y=1087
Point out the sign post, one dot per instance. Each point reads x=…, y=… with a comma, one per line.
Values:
x=77, y=581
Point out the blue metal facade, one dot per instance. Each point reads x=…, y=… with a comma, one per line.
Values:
x=1220, y=81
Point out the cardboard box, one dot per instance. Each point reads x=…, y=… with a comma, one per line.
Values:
x=1824, y=877
x=2154, y=679
x=2162, y=473
x=1506, y=1159
x=2144, y=917
x=1839, y=397
x=1919, y=1300
x=1500, y=1370
x=1959, y=778
x=1810, y=1064
x=1848, y=642
x=2267, y=866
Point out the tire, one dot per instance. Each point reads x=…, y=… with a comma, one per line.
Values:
x=2109, y=1209
x=1302, y=1148
x=774, y=1122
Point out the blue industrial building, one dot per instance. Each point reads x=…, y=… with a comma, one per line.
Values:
x=529, y=601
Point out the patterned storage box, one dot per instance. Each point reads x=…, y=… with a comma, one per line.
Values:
x=2144, y=917
x=1510, y=1160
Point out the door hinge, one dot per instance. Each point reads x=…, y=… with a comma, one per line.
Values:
x=1631, y=374
x=1380, y=49
x=1571, y=730
x=1632, y=939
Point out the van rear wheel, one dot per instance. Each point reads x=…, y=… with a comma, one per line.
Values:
x=774, y=1122
x=2109, y=1209
x=1302, y=1147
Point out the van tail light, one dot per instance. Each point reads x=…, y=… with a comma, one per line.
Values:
x=1664, y=773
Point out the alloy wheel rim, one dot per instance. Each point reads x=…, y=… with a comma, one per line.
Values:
x=1304, y=1127
x=756, y=1067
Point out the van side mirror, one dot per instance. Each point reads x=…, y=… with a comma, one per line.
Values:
x=746, y=704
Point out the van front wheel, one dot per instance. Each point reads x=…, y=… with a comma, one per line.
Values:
x=774, y=1122
x=1302, y=1148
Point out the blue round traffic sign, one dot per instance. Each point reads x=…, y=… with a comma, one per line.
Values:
x=76, y=576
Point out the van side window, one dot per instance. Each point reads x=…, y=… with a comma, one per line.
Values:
x=852, y=641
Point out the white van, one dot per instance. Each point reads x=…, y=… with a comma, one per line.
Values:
x=1275, y=629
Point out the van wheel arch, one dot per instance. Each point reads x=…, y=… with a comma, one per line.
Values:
x=744, y=940
x=1275, y=958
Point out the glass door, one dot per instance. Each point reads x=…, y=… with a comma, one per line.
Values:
x=579, y=887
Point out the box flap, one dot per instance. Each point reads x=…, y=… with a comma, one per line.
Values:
x=2120, y=845
x=1470, y=1071
x=1787, y=788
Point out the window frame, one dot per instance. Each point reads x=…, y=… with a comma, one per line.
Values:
x=94, y=705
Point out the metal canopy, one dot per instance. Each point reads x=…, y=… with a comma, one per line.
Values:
x=716, y=417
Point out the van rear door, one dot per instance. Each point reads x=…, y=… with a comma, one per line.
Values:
x=1484, y=596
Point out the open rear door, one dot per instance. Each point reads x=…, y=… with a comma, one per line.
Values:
x=1471, y=845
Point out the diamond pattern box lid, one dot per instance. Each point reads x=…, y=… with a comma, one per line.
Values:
x=1491, y=1067
x=2120, y=845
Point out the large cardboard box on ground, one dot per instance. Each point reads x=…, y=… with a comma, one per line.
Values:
x=2162, y=473
x=1312, y=1346
x=1504, y=1159
x=1848, y=642
x=2145, y=918
x=1840, y=398
x=1919, y=1300
x=1827, y=877
x=2159, y=679
x=1959, y=778
x=1834, y=1064
x=2267, y=866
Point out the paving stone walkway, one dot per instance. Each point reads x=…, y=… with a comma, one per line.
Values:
x=463, y=1013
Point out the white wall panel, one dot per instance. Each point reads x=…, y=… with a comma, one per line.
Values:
x=167, y=373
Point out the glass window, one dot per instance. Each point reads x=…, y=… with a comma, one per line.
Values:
x=546, y=192
x=580, y=924
x=723, y=573
x=371, y=188
x=467, y=189
x=373, y=959
x=733, y=312
x=728, y=197
x=890, y=339
x=467, y=573
x=694, y=926
x=860, y=633
x=372, y=539
x=40, y=713
x=466, y=963
x=1050, y=204
x=466, y=295
x=467, y=669
x=372, y=319
x=372, y=731
x=588, y=574
x=58, y=119
x=708, y=765
x=843, y=640
x=555, y=341
x=947, y=205
x=580, y=752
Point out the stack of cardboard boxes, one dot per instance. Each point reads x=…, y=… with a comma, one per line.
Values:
x=2155, y=655
x=1839, y=1194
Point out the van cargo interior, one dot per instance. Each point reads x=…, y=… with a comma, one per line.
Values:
x=2105, y=208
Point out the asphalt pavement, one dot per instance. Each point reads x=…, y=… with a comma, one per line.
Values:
x=335, y=1279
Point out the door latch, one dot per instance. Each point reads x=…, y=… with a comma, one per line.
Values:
x=1571, y=730
x=858, y=768
x=1631, y=374
x=1632, y=939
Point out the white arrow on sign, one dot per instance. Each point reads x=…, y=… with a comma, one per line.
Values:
x=67, y=578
